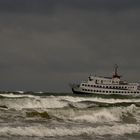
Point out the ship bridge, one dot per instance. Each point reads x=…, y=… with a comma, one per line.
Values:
x=115, y=79
x=103, y=80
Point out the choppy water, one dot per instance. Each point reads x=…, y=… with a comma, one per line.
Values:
x=68, y=117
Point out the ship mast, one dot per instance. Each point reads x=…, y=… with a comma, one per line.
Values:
x=116, y=72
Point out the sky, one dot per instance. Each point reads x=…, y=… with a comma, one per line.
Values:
x=47, y=44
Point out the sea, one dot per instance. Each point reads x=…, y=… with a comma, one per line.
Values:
x=65, y=116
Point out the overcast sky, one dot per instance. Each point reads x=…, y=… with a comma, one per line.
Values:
x=47, y=44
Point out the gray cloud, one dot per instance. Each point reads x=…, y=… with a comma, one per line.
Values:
x=46, y=44
x=47, y=6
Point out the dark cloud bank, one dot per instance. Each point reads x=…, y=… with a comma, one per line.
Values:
x=45, y=44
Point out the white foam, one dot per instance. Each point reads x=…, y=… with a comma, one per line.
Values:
x=11, y=95
x=78, y=99
x=98, y=99
x=101, y=116
x=31, y=102
x=20, y=91
x=41, y=131
x=109, y=115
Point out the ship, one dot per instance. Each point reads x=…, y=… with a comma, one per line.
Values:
x=114, y=85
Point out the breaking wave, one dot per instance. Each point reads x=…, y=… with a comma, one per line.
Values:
x=78, y=109
x=108, y=115
x=41, y=131
x=31, y=101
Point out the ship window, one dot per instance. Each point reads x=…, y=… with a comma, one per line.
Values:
x=106, y=86
x=106, y=91
x=82, y=84
x=109, y=91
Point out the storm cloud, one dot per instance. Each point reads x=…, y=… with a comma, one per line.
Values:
x=45, y=45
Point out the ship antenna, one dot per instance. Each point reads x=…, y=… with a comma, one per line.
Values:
x=116, y=69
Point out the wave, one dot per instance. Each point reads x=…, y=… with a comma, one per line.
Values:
x=98, y=99
x=44, y=102
x=102, y=115
x=72, y=109
x=91, y=104
x=22, y=102
x=41, y=131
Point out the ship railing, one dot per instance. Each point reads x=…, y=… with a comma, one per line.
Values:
x=134, y=84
